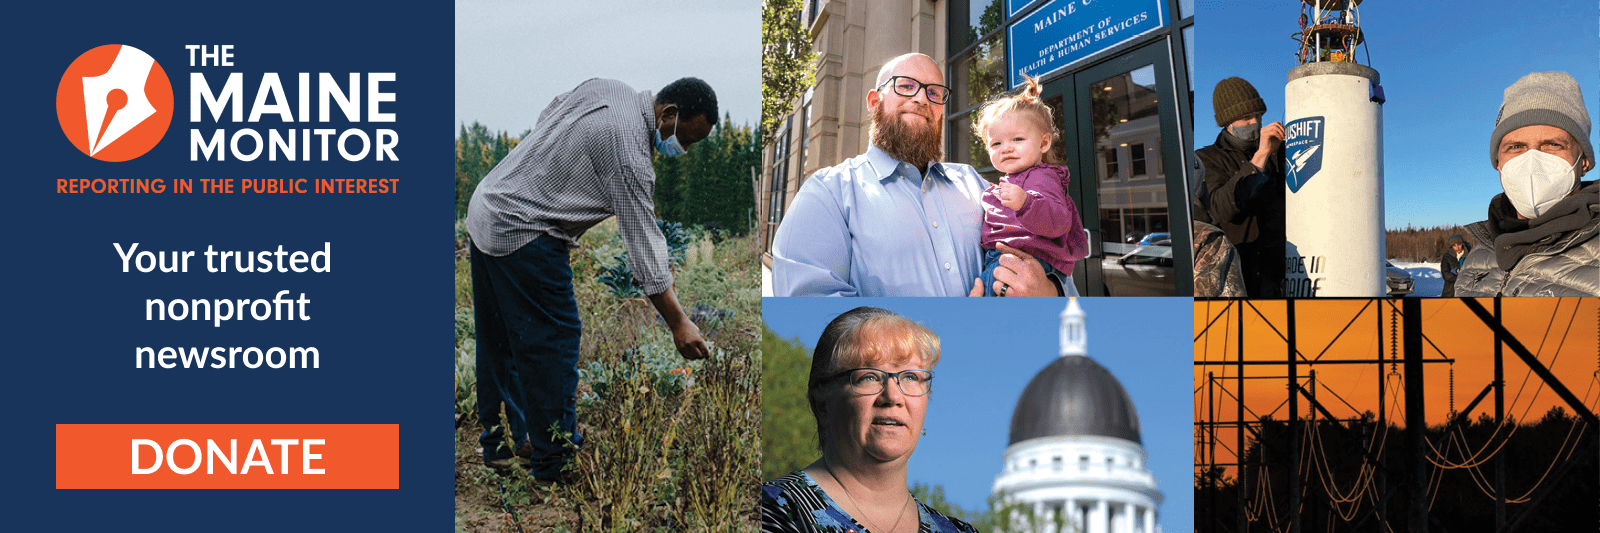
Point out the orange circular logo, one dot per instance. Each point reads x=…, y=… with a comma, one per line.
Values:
x=114, y=103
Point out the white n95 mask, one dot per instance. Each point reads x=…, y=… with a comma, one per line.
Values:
x=1536, y=180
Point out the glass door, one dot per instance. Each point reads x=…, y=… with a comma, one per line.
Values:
x=1121, y=132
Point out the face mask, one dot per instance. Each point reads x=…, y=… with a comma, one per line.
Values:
x=670, y=147
x=1247, y=132
x=1536, y=180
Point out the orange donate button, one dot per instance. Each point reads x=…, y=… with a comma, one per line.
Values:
x=227, y=456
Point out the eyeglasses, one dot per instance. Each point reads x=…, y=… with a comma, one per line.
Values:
x=907, y=86
x=869, y=381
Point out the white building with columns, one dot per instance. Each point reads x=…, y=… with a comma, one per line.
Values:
x=1075, y=455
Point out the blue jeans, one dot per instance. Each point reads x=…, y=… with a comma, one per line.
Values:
x=991, y=260
x=528, y=335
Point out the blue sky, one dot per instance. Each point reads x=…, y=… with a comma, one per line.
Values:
x=1145, y=342
x=1444, y=68
x=513, y=57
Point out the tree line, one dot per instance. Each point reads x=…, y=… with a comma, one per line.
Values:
x=1422, y=244
x=711, y=186
x=1341, y=491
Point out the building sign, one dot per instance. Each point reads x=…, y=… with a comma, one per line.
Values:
x=1063, y=32
x=1017, y=6
x=1303, y=149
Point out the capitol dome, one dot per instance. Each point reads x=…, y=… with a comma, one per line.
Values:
x=1075, y=456
x=1074, y=396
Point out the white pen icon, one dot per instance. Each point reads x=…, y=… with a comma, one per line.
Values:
x=115, y=102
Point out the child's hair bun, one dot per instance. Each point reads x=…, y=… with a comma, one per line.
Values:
x=1031, y=88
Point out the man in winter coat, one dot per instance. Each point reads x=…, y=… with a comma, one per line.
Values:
x=1540, y=236
x=1450, y=264
x=1243, y=189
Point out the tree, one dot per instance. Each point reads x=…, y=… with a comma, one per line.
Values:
x=1336, y=468
x=786, y=62
x=477, y=152
x=788, y=431
x=710, y=185
x=1003, y=515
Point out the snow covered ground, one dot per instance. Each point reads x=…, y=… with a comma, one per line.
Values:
x=1425, y=276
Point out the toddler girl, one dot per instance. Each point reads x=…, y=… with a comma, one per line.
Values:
x=1029, y=208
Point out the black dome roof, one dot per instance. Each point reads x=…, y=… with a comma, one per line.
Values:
x=1074, y=396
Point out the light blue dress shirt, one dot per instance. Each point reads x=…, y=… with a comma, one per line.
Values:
x=872, y=226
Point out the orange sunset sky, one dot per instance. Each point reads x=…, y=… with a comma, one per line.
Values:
x=1561, y=332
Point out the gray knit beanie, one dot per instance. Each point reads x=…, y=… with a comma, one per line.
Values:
x=1542, y=99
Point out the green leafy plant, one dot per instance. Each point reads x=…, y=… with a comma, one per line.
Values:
x=619, y=277
x=618, y=274
x=467, y=379
x=670, y=445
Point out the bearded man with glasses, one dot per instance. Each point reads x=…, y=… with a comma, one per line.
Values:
x=895, y=221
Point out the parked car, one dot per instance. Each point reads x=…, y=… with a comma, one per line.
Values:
x=1156, y=238
x=1143, y=271
x=1400, y=282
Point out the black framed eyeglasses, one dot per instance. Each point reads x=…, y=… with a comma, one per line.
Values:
x=868, y=381
x=908, y=86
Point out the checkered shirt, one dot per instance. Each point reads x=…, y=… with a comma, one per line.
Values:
x=587, y=159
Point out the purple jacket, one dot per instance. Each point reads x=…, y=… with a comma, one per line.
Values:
x=1047, y=227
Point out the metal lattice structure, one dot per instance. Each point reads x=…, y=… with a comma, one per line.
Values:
x=1302, y=491
x=1330, y=31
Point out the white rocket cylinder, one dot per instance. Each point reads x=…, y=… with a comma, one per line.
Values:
x=1334, y=202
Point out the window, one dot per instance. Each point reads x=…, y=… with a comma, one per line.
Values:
x=980, y=74
x=1188, y=56
x=1083, y=463
x=977, y=72
x=983, y=18
x=1136, y=158
x=1110, y=157
x=1055, y=464
x=780, y=175
x=799, y=156
x=1110, y=464
x=805, y=131
x=966, y=145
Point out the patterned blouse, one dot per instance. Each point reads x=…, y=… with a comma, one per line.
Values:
x=795, y=504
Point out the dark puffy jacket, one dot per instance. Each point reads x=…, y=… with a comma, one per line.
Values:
x=1448, y=266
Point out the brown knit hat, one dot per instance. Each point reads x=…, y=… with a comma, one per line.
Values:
x=1234, y=99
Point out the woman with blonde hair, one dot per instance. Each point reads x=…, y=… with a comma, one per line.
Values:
x=871, y=378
